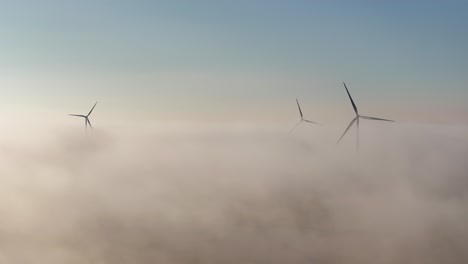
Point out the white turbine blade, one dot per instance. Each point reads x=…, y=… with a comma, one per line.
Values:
x=344, y=133
x=92, y=109
x=76, y=115
x=308, y=121
x=299, y=107
x=350, y=98
x=376, y=118
x=290, y=131
x=87, y=119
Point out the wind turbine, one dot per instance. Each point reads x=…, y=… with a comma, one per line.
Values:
x=302, y=118
x=356, y=119
x=86, y=117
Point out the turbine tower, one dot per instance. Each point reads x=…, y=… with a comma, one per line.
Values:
x=86, y=117
x=302, y=118
x=356, y=120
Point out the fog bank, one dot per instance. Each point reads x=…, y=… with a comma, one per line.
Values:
x=245, y=195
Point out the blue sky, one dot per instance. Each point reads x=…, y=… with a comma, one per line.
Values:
x=146, y=54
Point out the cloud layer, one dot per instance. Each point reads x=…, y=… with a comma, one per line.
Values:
x=244, y=195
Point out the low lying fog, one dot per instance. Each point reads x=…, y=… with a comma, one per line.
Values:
x=208, y=194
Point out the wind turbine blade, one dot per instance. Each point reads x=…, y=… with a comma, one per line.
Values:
x=350, y=98
x=76, y=115
x=308, y=121
x=290, y=131
x=300, y=111
x=376, y=118
x=344, y=133
x=92, y=109
x=87, y=119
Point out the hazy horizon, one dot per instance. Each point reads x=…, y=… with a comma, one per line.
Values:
x=210, y=59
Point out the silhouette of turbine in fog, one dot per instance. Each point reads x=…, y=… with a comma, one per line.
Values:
x=86, y=117
x=302, y=118
x=356, y=119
